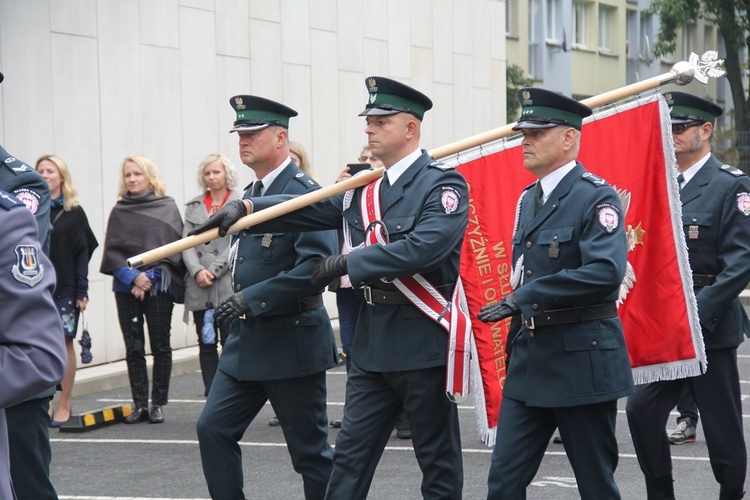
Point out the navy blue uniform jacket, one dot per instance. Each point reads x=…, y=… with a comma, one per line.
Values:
x=32, y=349
x=579, y=363
x=425, y=238
x=716, y=210
x=275, y=273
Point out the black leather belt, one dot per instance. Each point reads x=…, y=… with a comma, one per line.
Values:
x=311, y=302
x=394, y=297
x=571, y=315
x=703, y=280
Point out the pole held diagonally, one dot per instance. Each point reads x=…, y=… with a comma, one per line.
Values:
x=682, y=73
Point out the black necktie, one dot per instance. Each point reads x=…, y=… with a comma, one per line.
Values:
x=385, y=184
x=256, y=188
x=538, y=195
x=680, y=180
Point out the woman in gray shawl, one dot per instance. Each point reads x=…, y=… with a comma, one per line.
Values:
x=208, y=281
x=143, y=219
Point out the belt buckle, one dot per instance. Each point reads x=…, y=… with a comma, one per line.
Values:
x=368, y=295
x=529, y=323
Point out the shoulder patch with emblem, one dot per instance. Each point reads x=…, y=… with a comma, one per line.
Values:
x=8, y=201
x=743, y=203
x=16, y=166
x=440, y=165
x=594, y=179
x=450, y=199
x=608, y=216
x=30, y=197
x=731, y=170
x=27, y=268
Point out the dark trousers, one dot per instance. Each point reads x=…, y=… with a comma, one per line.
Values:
x=523, y=433
x=157, y=310
x=373, y=402
x=348, y=301
x=30, y=453
x=208, y=353
x=686, y=406
x=300, y=404
x=717, y=394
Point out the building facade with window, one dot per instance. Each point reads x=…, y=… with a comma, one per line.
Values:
x=582, y=48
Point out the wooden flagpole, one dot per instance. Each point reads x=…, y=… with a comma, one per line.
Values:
x=253, y=219
x=681, y=73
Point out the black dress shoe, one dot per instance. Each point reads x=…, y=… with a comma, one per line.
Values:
x=156, y=416
x=403, y=433
x=335, y=424
x=139, y=415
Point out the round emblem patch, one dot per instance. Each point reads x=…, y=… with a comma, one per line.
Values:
x=450, y=199
x=29, y=198
x=609, y=217
x=743, y=203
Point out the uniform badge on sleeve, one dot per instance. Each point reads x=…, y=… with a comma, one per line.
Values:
x=743, y=203
x=609, y=217
x=29, y=197
x=450, y=199
x=27, y=268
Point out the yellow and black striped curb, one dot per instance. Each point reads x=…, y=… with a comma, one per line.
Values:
x=97, y=419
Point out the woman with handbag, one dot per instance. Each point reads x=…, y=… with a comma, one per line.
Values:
x=143, y=219
x=71, y=244
x=208, y=281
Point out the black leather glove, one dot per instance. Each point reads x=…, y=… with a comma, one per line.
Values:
x=230, y=213
x=231, y=309
x=499, y=310
x=328, y=269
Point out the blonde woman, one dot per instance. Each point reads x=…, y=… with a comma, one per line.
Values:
x=209, y=282
x=143, y=219
x=71, y=244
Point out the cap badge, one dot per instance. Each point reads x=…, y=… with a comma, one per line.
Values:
x=526, y=97
x=240, y=104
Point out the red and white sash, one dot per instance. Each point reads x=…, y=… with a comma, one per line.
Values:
x=452, y=316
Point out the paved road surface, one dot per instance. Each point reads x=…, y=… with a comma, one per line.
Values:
x=162, y=461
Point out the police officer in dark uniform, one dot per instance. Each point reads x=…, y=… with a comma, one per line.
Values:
x=32, y=349
x=398, y=354
x=716, y=220
x=568, y=361
x=281, y=342
x=28, y=420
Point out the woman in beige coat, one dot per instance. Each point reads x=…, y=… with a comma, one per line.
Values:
x=209, y=281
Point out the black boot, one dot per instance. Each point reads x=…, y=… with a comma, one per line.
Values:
x=660, y=488
x=731, y=493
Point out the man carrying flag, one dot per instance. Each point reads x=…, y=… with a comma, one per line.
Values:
x=568, y=363
x=404, y=233
x=716, y=220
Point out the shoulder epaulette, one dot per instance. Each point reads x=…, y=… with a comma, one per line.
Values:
x=8, y=201
x=440, y=165
x=16, y=166
x=305, y=179
x=530, y=186
x=593, y=179
x=731, y=170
